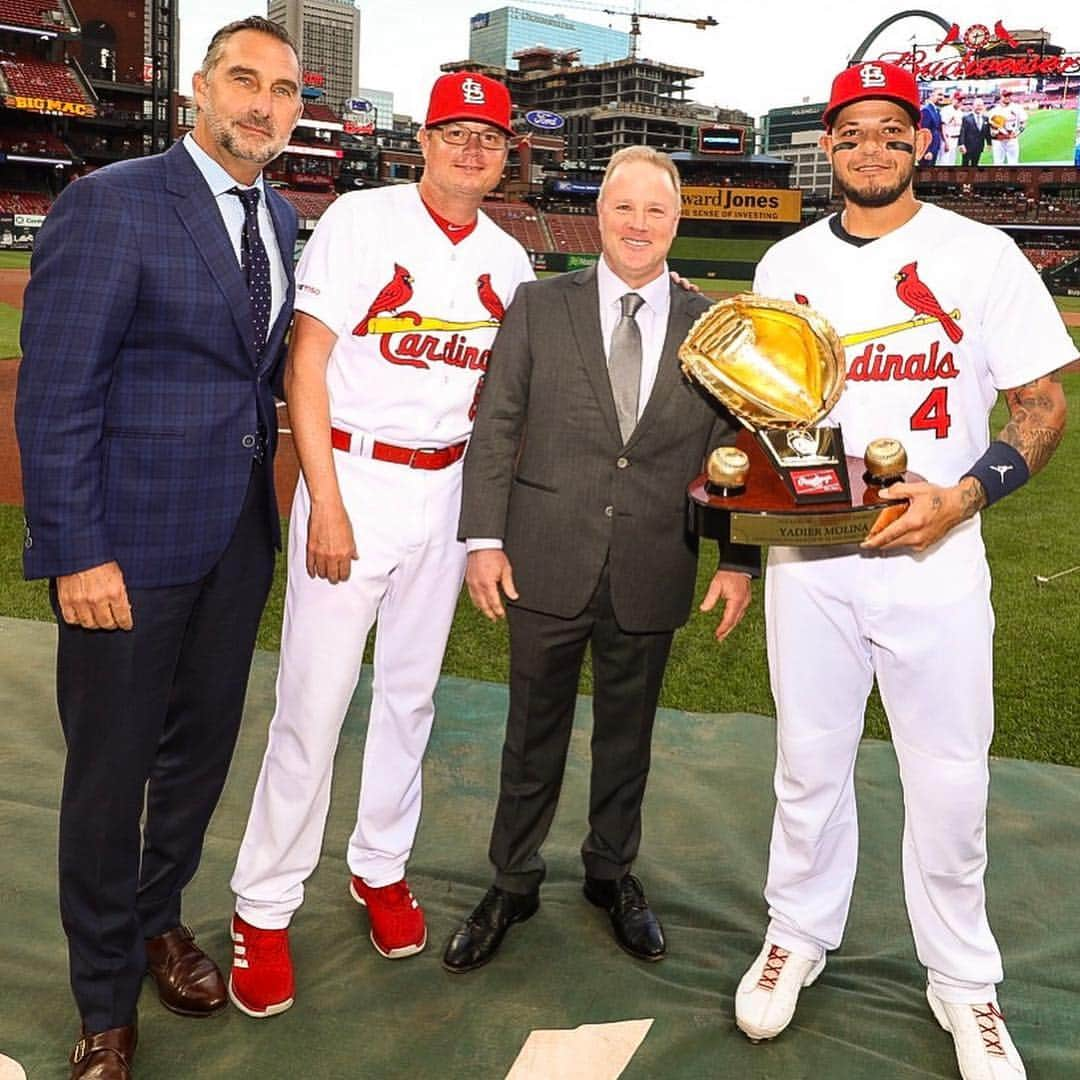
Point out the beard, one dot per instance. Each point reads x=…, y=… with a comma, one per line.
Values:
x=244, y=145
x=876, y=194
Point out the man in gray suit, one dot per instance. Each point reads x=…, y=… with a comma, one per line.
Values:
x=574, y=508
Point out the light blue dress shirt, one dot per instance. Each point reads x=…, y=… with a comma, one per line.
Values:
x=232, y=213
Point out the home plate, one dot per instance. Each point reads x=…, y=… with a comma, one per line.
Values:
x=589, y=1052
x=12, y=1070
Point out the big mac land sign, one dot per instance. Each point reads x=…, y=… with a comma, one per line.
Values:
x=53, y=106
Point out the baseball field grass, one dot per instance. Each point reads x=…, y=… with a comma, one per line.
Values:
x=1050, y=136
x=10, y=318
x=735, y=249
x=1038, y=625
x=14, y=260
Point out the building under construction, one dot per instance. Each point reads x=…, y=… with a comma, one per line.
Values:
x=629, y=102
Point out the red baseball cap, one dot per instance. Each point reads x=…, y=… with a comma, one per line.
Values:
x=873, y=79
x=467, y=95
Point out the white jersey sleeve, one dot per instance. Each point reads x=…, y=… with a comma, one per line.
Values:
x=321, y=277
x=1022, y=332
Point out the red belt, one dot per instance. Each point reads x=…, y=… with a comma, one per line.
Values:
x=415, y=458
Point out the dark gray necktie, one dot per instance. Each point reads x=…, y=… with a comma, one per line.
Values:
x=624, y=364
x=256, y=265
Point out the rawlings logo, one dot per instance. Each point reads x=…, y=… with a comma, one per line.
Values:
x=872, y=76
x=472, y=92
x=816, y=481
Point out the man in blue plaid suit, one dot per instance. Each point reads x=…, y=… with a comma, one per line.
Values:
x=153, y=329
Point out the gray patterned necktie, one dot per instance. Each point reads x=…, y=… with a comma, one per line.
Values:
x=624, y=364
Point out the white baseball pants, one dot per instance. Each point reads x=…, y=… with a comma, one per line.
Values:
x=408, y=575
x=833, y=624
x=1005, y=151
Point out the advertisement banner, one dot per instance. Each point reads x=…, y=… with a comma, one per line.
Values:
x=51, y=106
x=742, y=204
x=1005, y=121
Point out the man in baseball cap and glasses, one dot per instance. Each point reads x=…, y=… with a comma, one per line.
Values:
x=400, y=292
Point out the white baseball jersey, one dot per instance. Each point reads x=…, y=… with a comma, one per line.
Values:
x=951, y=119
x=936, y=317
x=415, y=315
x=1007, y=121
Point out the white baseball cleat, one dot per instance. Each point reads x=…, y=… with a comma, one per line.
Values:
x=984, y=1050
x=766, y=998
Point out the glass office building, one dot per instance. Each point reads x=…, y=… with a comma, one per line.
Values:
x=494, y=37
x=383, y=100
x=781, y=124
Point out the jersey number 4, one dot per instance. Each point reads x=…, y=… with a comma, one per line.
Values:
x=933, y=413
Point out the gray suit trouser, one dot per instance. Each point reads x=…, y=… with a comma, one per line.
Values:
x=546, y=653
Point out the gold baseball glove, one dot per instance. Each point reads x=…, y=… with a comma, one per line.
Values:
x=773, y=363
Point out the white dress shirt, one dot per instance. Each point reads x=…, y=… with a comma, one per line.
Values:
x=232, y=213
x=652, y=320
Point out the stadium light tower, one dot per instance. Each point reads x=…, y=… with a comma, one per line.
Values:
x=636, y=15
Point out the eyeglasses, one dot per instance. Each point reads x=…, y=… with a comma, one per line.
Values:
x=457, y=135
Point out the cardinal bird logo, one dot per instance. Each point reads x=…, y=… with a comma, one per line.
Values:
x=392, y=297
x=490, y=298
x=917, y=295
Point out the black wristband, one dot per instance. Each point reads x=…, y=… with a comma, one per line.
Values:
x=1001, y=470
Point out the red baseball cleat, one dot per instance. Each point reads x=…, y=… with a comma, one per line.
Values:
x=261, y=981
x=397, y=919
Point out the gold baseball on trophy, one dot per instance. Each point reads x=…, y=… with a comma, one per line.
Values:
x=886, y=461
x=728, y=467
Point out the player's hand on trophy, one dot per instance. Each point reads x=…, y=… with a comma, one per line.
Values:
x=734, y=589
x=95, y=599
x=932, y=512
x=331, y=548
x=486, y=572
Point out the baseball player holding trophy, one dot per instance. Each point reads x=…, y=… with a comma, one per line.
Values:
x=936, y=314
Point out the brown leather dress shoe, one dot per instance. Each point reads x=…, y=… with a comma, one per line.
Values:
x=104, y=1056
x=188, y=981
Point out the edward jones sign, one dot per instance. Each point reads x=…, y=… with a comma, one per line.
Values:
x=742, y=204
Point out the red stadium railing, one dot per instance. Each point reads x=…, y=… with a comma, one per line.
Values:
x=308, y=204
x=38, y=14
x=524, y=223
x=35, y=77
x=574, y=232
x=31, y=143
x=24, y=202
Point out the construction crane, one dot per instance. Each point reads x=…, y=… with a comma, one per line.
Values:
x=635, y=13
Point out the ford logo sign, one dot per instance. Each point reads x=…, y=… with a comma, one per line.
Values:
x=548, y=121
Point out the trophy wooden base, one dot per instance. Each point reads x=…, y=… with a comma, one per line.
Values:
x=765, y=512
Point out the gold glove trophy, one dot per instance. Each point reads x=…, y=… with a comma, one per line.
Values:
x=779, y=367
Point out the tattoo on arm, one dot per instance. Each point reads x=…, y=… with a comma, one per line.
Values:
x=972, y=496
x=1036, y=420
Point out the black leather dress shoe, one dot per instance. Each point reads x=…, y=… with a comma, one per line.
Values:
x=636, y=928
x=479, y=938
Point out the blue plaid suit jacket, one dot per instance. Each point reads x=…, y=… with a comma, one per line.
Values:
x=140, y=386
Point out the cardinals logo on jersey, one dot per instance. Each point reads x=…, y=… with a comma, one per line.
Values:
x=414, y=340
x=917, y=295
x=490, y=298
x=392, y=297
